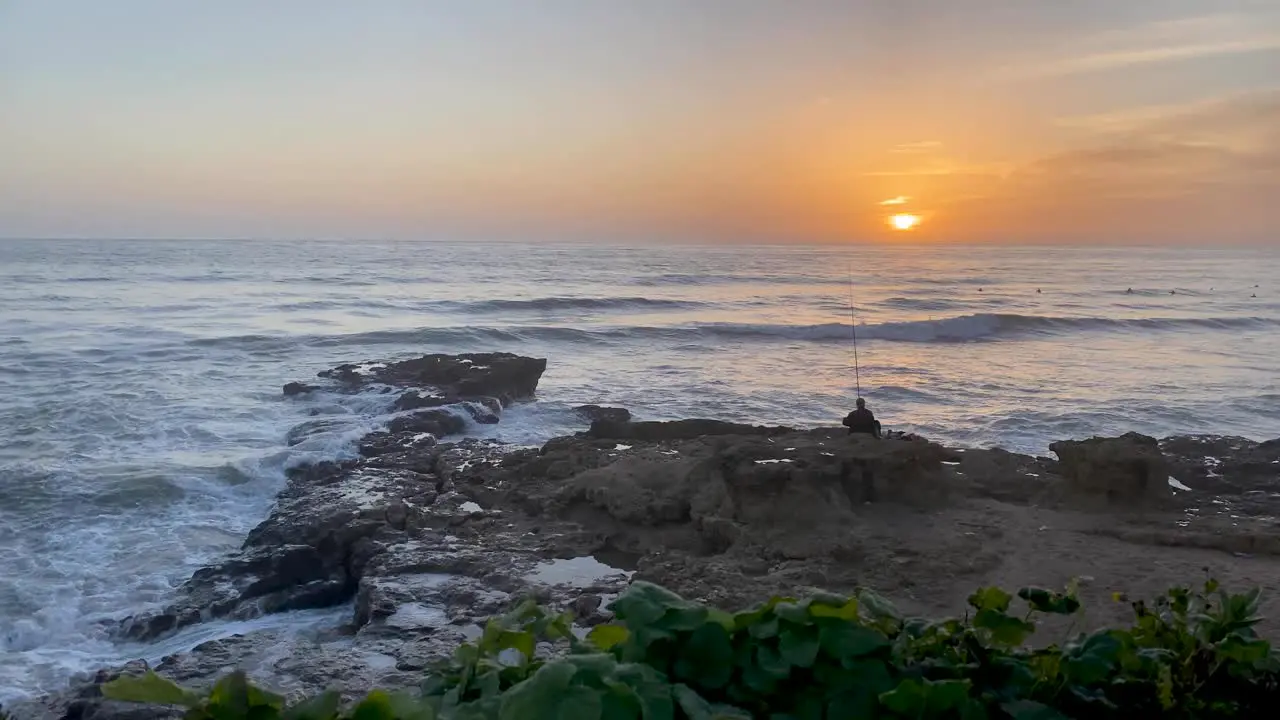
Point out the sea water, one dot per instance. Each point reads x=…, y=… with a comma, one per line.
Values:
x=142, y=428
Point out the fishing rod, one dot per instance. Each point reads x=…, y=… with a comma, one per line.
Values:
x=853, y=327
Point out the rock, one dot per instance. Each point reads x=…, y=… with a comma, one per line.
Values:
x=438, y=422
x=675, y=430
x=282, y=577
x=383, y=443
x=1223, y=464
x=310, y=552
x=1129, y=468
x=481, y=413
x=504, y=376
x=426, y=540
x=586, y=605
x=297, y=388
x=597, y=413
x=304, y=431
x=414, y=400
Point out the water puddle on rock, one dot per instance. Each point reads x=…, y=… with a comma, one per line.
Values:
x=576, y=572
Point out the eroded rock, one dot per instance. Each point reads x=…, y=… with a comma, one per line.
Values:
x=1129, y=468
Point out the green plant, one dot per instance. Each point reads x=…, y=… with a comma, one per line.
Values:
x=1188, y=654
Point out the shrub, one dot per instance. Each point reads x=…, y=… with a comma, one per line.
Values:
x=1188, y=654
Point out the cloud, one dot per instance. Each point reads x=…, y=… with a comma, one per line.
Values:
x=917, y=147
x=1157, y=42
x=900, y=200
x=1198, y=172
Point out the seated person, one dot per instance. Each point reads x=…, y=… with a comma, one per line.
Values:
x=862, y=420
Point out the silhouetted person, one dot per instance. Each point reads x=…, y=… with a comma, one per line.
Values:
x=862, y=420
x=1037, y=291
x=1129, y=291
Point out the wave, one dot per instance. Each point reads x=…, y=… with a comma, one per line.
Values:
x=986, y=326
x=921, y=304
x=962, y=328
x=483, y=307
x=713, y=279
x=570, y=303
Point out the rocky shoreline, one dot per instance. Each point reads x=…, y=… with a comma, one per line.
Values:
x=427, y=533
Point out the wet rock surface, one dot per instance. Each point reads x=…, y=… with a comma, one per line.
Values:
x=504, y=376
x=592, y=413
x=418, y=541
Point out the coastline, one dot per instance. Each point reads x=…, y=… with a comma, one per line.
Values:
x=425, y=534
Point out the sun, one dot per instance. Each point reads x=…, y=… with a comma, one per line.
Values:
x=904, y=221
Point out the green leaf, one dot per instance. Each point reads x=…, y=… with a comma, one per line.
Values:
x=407, y=707
x=721, y=618
x=593, y=667
x=925, y=698
x=683, y=619
x=548, y=694
x=149, y=688
x=644, y=603
x=871, y=674
x=746, y=618
x=621, y=702
x=651, y=688
x=694, y=705
x=706, y=657
x=856, y=689
x=760, y=680
x=846, y=640
x=847, y=610
x=796, y=612
x=1092, y=660
x=606, y=636
x=908, y=698
x=1003, y=629
x=990, y=598
x=523, y=641
x=375, y=706
x=799, y=646
x=1046, y=601
x=771, y=662
x=1241, y=650
x=878, y=607
x=766, y=627
x=231, y=693
x=1031, y=710
x=320, y=707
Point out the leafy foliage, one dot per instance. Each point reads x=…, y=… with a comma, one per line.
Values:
x=1188, y=654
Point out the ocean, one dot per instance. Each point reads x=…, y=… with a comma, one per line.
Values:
x=143, y=431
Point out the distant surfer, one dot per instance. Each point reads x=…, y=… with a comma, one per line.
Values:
x=862, y=421
x=1129, y=291
x=1037, y=291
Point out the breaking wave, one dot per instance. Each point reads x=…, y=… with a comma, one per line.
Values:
x=569, y=303
x=984, y=326
x=962, y=328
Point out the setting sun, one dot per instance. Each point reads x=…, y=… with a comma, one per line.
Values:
x=904, y=221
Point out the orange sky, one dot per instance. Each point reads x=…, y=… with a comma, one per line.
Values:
x=726, y=120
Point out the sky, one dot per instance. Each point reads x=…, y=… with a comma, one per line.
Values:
x=1018, y=121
